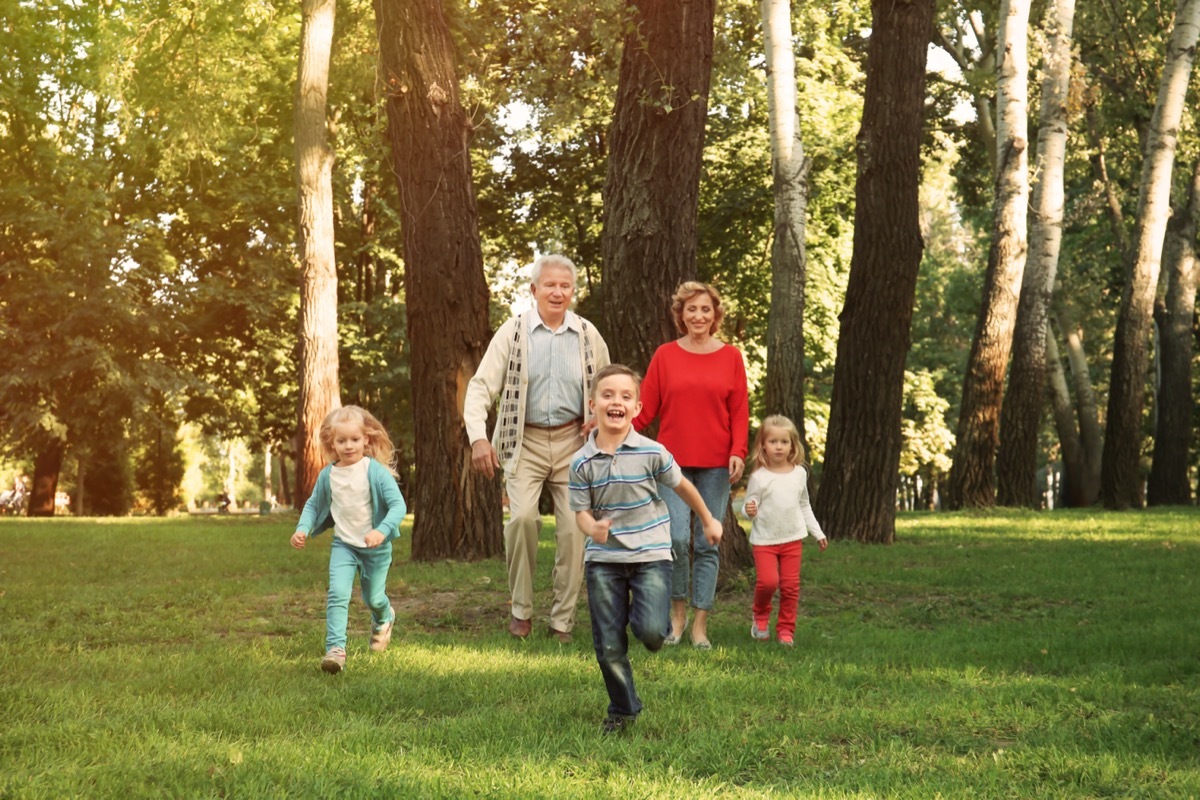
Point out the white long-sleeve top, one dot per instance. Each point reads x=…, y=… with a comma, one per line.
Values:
x=784, y=511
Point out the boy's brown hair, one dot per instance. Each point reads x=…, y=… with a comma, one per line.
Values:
x=617, y=369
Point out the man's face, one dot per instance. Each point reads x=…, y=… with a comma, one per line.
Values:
x=553, y=291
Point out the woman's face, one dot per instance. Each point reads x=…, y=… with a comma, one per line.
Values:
x=698, y=315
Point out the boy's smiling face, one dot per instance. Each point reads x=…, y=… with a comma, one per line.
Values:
x=615, y=403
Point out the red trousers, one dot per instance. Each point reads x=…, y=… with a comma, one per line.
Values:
x=778, y=569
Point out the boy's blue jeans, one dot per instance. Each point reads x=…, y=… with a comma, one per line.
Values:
x=344, y=561
x=637, y=595
x=713, y=486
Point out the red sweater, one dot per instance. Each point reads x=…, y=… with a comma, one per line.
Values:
x=702, y=404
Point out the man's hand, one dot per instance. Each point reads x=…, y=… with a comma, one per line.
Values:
x=483, y=458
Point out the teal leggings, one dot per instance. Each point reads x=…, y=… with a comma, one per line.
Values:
x=372, y=564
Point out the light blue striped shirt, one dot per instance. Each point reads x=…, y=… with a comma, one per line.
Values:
x=623, y=486
x=555, y=391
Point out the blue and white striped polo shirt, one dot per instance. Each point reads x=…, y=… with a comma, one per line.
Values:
x=623, y=487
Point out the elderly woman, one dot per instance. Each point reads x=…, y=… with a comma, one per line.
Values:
x=696, y=387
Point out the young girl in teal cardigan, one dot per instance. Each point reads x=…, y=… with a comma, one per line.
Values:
x=356, y=495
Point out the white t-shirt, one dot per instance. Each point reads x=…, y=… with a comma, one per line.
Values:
x=351, y=502
x=784, y=511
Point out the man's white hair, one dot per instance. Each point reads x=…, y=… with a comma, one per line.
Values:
x=552, y=260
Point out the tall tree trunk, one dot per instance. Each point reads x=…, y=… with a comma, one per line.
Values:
x=1064, y=422
x=857, y=496
x=319, y=391
x=971, y=482
x=1021, y=415
x=46, y=467
x=1086, y=406
x=445, y=290
x=1173, y=312
x=652, y=185
x=285, y=485
x=1120, y=478
x=789, y=171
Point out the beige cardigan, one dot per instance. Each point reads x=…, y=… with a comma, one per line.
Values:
x=505, y=368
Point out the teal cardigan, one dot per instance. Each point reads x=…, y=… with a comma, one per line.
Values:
x=387, y=504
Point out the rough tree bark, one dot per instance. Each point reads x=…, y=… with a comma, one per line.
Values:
x=857, y=497
x=319, y=390
x=445, y=289
x=1173, y=312
x=652, y=185
x=1021, y=414
x=784, y=391
x=972, y=482
x=1120, y=476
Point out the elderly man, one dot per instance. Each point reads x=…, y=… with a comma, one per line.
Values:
x=540, y=364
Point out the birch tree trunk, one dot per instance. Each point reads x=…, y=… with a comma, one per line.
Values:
x=1174, y=311
x=1064, y=422
x=972, y=483
x=1021, y=414
x=789, y=173
x=319, y=389
x=1120, y=478
x=459, y=511
x=1087, y=408
x=857, y=497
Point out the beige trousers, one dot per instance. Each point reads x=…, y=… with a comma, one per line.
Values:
x=545, y=460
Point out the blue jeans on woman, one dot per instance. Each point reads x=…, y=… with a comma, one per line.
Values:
x=713, y=485
x=620, y=595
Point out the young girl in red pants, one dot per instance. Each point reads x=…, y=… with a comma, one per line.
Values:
x=777, y=502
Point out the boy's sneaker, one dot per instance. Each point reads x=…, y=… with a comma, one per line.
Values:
x=334, y=660
x=786, y=640
x=615, y=723
x=383, y=634
x=762, y=634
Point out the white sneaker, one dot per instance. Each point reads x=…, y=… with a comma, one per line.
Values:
x=383, y=634
x=334, y=660
x=762, y=634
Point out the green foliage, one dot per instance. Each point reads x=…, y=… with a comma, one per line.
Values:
x=1001, y=655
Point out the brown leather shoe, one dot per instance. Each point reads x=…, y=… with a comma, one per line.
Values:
x=562, y=636
x=520, y=628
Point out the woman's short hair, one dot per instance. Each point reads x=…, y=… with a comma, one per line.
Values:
x=552, y=260
x=686, y=291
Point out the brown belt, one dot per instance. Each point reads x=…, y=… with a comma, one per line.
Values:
x=576, y=421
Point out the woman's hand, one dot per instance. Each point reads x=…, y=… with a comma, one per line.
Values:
x=736, y=465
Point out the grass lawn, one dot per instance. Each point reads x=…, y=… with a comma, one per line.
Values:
x=1010, y=654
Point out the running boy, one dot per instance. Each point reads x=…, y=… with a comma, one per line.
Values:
x=627, y=561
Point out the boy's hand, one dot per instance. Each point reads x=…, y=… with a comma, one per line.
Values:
x=713, y=529
x=751, y=508
x=599, y=531
x=824, y=543
x=373, y=539
x=299, y=539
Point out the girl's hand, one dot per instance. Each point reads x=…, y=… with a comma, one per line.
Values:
x=824, y=543
x=736, y=465
x=599, y=531
x=751, y=508
x=299, y=539
x=373, y=539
